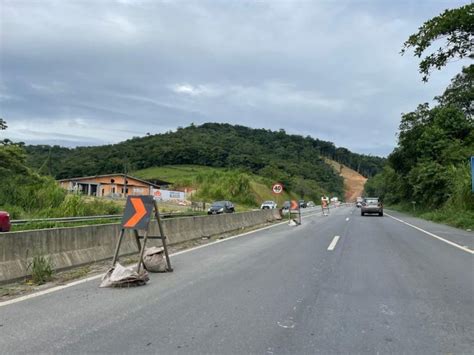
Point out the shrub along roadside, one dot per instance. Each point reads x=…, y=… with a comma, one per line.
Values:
x=457, y=209
x=452, y=216
x=26, y=194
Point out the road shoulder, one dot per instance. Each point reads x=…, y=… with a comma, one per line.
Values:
x=457, y=236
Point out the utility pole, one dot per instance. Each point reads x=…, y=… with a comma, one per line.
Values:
x=125, y=179
x=49, y=163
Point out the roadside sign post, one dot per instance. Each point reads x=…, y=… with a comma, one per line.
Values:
x=472, y=173
x=299, y=214
x=277, y=188
x=137, y=215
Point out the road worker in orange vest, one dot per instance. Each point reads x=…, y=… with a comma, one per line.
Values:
x=325, y=205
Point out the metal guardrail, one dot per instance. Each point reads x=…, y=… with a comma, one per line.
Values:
x=92, y=218
x=111, y=217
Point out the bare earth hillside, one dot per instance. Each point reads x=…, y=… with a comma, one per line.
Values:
x=353, y=181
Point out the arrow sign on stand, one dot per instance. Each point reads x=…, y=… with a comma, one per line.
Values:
x=295, y=205
x=140, y=212
x=137, y=212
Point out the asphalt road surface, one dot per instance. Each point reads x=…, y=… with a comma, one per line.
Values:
x=382, y=286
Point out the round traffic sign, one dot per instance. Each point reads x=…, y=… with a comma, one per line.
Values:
x=277, y=188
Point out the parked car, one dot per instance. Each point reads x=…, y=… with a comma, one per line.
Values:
x=5, y=224
x=371, y=205
x=219, y=207
x=268, y=205
x=303, y=204
x=286, y=205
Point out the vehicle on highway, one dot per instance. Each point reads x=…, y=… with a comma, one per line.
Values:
x=219, y=207
x=358, y=204
x=286, y=205
x=371, y=205
x=311, y=204
x=268, y=205
x=303, y=203
x=5, y=224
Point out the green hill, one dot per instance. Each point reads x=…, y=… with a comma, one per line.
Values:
x=220, y=184
x=294, y=160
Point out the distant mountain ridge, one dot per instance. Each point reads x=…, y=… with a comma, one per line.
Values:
x=292, y=159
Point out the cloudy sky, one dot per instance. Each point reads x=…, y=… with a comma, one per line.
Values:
x=95, y=72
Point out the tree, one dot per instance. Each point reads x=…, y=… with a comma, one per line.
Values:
x=456, y=27
x=461, y=91
x=3, y=124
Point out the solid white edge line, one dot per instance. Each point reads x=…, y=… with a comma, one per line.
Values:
x=333, y=243
x=95, y=277
x=432, y=235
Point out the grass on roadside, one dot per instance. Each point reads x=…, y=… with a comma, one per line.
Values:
x=245, y=190
x=452, y=216
x=42, y=269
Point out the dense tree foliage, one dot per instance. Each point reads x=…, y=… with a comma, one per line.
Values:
x=455, y=27
x=434, y=148
x=25, y=193
x=461, y=91
x=276, y=155
x=430, y=165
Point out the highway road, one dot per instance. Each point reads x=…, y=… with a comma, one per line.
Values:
x=337, y=284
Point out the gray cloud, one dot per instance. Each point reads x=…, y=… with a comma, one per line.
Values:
x=93, y=72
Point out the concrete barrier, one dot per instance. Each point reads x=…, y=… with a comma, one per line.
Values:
x=75, y=246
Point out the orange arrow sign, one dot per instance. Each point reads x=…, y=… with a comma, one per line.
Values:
x=140, y=212
x=294, y=205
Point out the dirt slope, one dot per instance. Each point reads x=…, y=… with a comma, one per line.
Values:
x=353, y=181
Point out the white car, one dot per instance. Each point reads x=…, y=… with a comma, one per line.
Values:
x=268, y=205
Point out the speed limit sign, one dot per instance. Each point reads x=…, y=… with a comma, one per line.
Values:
x=277, y=188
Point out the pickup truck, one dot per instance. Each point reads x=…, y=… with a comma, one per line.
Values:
x=268, y=205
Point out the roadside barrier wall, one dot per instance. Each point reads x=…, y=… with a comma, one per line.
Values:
x=75, y=246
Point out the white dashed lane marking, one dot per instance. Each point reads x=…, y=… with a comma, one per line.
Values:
x=333, y=243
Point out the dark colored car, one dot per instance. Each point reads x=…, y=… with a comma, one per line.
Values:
x=286, y=205
x=371, y=205
x=219, y=207
x=303, y=204
x=5, y=224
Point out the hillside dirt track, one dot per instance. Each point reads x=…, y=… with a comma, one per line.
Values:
x=353, y=181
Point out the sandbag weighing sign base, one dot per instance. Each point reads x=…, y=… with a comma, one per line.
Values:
x=137, y=215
